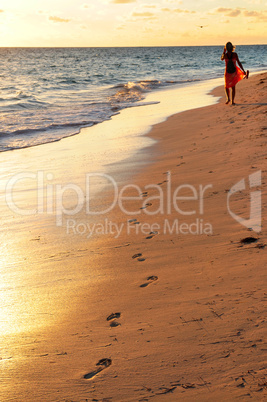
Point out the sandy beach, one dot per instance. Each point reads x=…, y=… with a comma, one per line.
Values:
x=169, y=293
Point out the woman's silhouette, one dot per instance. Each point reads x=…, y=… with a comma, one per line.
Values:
x=232, y=74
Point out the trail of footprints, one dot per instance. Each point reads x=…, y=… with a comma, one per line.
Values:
x=113, y=318
x=104, y=363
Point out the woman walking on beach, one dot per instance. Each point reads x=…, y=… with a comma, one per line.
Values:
x=232, y=74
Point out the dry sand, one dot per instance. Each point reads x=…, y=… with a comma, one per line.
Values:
x=194, y=330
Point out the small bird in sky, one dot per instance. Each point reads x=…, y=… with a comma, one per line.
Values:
x=202, y=26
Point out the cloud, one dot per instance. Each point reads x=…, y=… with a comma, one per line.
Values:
x=58, y=19
x=251, y=13
x=223, y=10
x=145, y=14
x=228, y=12
x=123, y=1
x=260, y=16
x=1, y=11
x=178, y=10
x=234, y=13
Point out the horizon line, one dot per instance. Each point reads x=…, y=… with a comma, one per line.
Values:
x=140, y=46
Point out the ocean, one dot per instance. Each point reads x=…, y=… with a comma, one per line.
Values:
x=47, y=94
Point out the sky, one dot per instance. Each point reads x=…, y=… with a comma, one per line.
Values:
x=90, y=23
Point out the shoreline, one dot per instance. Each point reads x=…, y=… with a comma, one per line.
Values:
x=153, y=350
x=142, y=103
x=152, y=98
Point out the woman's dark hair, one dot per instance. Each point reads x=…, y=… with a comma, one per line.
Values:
x=229, y=47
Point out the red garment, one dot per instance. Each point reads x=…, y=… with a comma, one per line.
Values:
x=232, y=79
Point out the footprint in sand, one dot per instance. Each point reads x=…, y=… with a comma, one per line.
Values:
x=150, y=279
x=148, y=204
x=134, y=221
x=102, y=364
x=144, y=194
x=151, y=235
x=139, y=257
x=112, y=317
x=114, y=324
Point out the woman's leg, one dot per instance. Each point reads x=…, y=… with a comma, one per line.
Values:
x=233, y=95
x=227, y=93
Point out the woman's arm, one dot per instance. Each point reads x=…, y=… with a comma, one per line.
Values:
x=223, y=55
x=239, y=63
